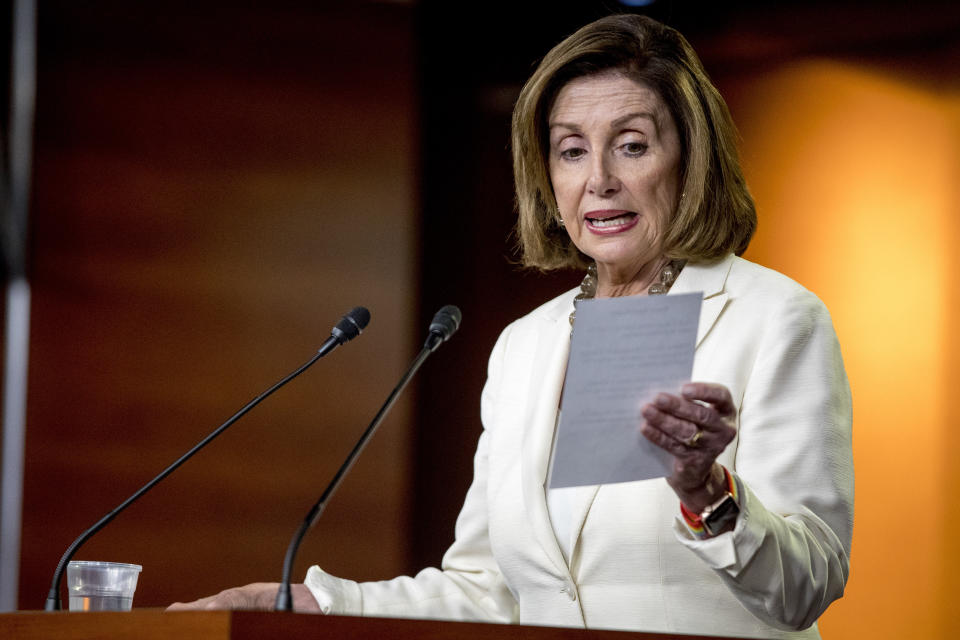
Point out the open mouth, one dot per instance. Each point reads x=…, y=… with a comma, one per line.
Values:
x=611, y=220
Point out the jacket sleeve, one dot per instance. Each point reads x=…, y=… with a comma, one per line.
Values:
x=469, y=585
x=787, y=558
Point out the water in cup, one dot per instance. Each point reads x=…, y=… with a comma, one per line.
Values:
x=101, y=586
x=100, y=603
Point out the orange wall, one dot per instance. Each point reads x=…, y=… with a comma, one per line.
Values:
x=854, y=174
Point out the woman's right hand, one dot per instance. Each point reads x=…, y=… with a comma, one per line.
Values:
x=259, y=596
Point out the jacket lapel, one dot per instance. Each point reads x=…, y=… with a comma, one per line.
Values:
x=549, y=369
x=710, y=279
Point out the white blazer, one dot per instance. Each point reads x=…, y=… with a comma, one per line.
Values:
x=633, y=564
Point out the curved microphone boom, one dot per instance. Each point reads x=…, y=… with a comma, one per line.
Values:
x=346, y=329
x=444, y=324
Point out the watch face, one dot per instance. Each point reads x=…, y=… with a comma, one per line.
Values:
x=722, y=515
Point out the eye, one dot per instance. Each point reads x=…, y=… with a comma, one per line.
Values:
x=634, y=148
x=572, y=153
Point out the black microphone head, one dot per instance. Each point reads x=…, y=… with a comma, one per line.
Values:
x=444, y=324
x=351, y=325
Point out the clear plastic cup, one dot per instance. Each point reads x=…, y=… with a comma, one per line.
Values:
x=101, y=586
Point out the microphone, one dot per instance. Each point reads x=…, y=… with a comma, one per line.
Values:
x=348, y=328
x=444, y=324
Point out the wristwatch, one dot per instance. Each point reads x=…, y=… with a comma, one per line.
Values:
x=712, y=520
x=721, y=513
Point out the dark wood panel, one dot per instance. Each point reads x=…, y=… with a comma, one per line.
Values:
x=214, y=188
x=150, y=624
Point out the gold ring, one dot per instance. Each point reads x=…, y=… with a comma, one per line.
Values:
x=694, y=441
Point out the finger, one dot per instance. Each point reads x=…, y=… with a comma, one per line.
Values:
x=683, y=431
x=690, y=464
x=716, y=395
x=259, y=595
x=663, y=440
x=252, y=596
x=236, y=598
x=680, y=430
x=191, y=606
x=699, y=415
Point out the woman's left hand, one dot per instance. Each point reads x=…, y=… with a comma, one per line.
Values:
x=259, y=596
x=695, y=427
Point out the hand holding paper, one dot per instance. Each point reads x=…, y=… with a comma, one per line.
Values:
x=623, y=352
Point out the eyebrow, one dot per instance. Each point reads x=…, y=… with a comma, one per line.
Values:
x=631, y=116
x=616, y=123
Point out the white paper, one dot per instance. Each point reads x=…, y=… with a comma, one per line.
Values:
x=623, y=352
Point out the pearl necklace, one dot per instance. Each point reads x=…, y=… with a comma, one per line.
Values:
x=588, y=287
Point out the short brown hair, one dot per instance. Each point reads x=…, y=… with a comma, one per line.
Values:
x=716, y=214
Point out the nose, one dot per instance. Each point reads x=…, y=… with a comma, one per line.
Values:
x=602, y=181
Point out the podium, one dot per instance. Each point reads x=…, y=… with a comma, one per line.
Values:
x=156, y=624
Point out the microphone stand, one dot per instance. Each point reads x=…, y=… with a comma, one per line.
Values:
x=348, y=327
x=446, y=322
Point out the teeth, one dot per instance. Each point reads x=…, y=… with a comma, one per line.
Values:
x=610, y=222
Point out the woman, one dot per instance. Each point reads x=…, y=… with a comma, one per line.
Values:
x=625, y=163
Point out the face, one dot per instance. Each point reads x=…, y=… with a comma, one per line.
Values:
x=614, y=165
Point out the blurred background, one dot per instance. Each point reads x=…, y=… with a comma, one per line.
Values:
x=214, y=184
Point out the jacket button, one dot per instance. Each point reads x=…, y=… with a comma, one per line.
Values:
x=570, y=591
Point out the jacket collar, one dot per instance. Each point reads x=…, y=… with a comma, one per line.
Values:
x=709, y=278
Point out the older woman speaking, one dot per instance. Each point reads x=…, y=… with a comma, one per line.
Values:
x=626, y=165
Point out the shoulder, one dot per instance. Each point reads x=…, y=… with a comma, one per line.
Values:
x=762, y=288
x=774, y=309
x=746, y=277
